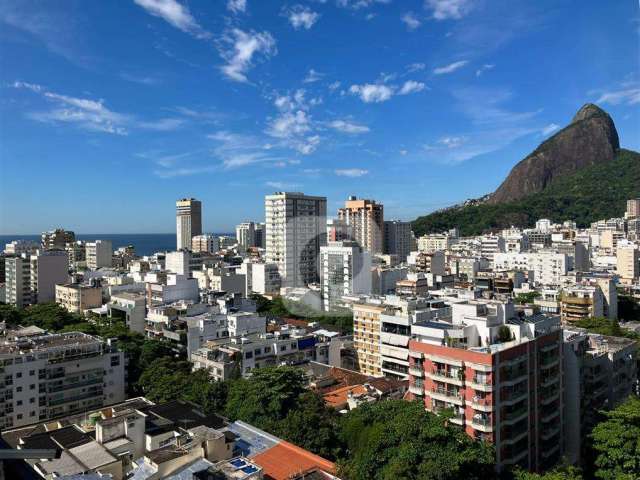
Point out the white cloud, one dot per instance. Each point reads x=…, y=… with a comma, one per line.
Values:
x=351, y=172
x=410, y=20
x=241, y=48
x=348, y=127
x=238, y=150
x=448, y=9
x=312, y=76
x=237, y=6
x=411, y=86
x=334, y=86
x=162, y=125
x=372, y=93
x=484, y=68
x=628, y=95
x=452, y=67
x=358, y=4
x=452, y=142
x=549, y=129
x=281, y=186
x=174, y=13
x=415, y=67
x=186, y=171
x=142, y=80
x=301, y=17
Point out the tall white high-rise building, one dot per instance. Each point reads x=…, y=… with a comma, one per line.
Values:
x=346, y=270
x=246, y=234
x=188, y=221
x=33, y=278
x=296, y=229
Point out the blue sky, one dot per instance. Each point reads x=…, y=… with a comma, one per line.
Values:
x=110, y=111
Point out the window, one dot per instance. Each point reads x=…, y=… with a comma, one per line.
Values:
x=32, y=414
x=19, y=416
x=19, y=375
x=32, y=400
x=32, y=373
x=18, y=403
x=248, y=355
x=32, y=386
x=18, y=389
x=115, y=360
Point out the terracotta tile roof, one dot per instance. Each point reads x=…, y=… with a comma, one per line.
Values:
x=284, y=461
x=338, y=398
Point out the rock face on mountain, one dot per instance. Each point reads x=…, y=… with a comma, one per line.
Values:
x=591, y=138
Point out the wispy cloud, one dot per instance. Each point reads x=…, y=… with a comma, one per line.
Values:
x=185, y=172
x=301, y=17
x=411, y=21
x=358, y=4
x=348, y=127
x=372, y=93
x=142, y=80
x=625, y=93
x=448, y=9
x=351, y=172
x=175, y=14
x=239, y=48
x=312, y=76
x=492, y=126
x=549, y=129
x=452, y=67
x=411, y=86
x=91, y=114
x=238, y=150
x=293, y=125
x=281, y=186
x=381, y=92
x=484, y=68
x=416, y=67
x=237, y=6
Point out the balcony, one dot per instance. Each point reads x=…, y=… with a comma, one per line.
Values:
x=482, y=424
x=549, y=414
x=60, y=401
x=548, y=432
x=481, y=384
x=452, y=396
x=509, y=398
x=70, y=386
x=482, y=404
x=416, y=371
x=509, y=418
x=514, y=436
x=447, y=376
x=547, y=380
x=416, y=390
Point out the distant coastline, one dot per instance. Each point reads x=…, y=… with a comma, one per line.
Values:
x=144, y=243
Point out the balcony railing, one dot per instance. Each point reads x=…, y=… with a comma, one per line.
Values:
x=453, y=394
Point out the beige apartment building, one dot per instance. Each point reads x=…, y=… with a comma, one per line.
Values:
x=366, y=219
x=628, y=263
x=76, y=298
x=188, y=221
x=366, y=337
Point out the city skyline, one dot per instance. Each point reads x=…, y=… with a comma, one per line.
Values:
x=407, y=103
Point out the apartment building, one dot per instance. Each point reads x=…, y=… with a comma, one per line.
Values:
x=99, y=254
x=170, y=288
x=633, y=208
x=434, y=242
x=18, y=247
x=490, y=245
x=345, y=269
x=49, y=375
x=433, y=262
x=600, y=373
x=595, y=297
x=57, y=239
x=129, y=307
x=397, y=238
x=188, y=222
x=246, y=235
x=628, y=262
x=366, y=219
x=205, y=243
x=295, y=231
x=262, y=278
x=32, y=278
x=366, y=335
x=545, y=268
x=77, y=297
x=183, y=262
x=500, y=374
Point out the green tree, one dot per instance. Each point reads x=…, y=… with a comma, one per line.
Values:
x=267, y=397
x=560, y=473
x=528, y=297
x=165, y=380
x=605, y=326
x=398, y=439
x=616, y=443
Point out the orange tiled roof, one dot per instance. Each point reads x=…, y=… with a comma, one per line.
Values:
x=285, y=460
x=338, y=398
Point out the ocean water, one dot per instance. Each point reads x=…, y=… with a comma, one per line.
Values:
x=144, y=243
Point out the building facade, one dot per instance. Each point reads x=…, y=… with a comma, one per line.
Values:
x=188, y=222
x=345, y=269
x=366, y=219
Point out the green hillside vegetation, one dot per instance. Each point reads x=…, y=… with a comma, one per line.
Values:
x=592, y=194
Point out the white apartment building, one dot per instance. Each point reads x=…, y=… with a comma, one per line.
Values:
x=99, y=254
x=171, y=289
x=77, y=298
x=544, y=267
x=183, y=262
x=18, y=247
x=262, y=278
x=295, y=231
x=490, y=245
x=188, y=222
x=50, y=375
x=345, y=270
x=32, y=278
x=246, y=235
x=131, y=308
x=213, y=326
